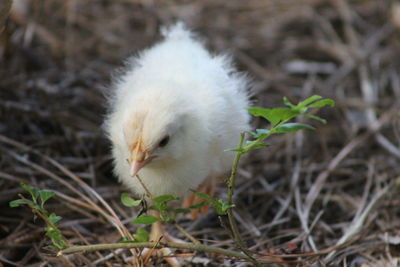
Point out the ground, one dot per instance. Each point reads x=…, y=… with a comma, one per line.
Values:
x=334, y=190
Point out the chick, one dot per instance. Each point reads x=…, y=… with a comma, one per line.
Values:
x=174, y=113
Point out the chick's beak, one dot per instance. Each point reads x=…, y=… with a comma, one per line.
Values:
x=139, y=159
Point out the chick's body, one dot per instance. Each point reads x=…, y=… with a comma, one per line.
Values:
x=176, y=93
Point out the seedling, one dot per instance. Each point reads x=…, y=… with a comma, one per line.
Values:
x=39, y=198
x=279, y=120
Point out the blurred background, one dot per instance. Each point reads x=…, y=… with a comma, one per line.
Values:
x=334, y=190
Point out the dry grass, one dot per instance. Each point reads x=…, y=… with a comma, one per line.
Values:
x=333, y=191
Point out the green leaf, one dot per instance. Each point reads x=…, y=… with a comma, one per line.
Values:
x=145, y=219
x=164, y=198
x=18, y=202
x=127, y=201
x=293, y=127
x=237, y=150
x=323, y=103
x=45, y=195
x=56, y=237
x=287, y=102
x=32, y=190
x=308, y=101
x=253, y=145
x=252, y=134
x=160, y=202
x=220, y=206
x=54, y=219
x=262, y=131
x=202, y=195
x=274, y=115
x=315, y=118
x=258, y=146
x=217, y=204
x=259, y=133
x=226, y=206
x=142, y=235
x=198, y=205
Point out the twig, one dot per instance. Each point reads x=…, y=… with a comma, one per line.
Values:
x=196, y=247
x=231, y=185
x=386, y=144
x=38, y=212
x=188, y=235
x=148, y=194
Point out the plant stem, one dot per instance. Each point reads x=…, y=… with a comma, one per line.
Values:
x=148, y=193
x=260, y=140
x=45, y=218
x=188, y=235
x=231, y=185
x=190, y=246
x=40, y=213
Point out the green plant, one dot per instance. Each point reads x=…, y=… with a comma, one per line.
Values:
x=279, y=123
x=279, y=117
x=168, y=213
x=39, y=198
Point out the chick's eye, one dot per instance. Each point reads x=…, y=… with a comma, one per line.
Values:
x=164, y=141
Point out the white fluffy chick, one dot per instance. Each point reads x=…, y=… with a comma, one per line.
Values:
x=174, y=113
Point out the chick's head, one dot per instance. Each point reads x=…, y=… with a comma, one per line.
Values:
x=155, y=132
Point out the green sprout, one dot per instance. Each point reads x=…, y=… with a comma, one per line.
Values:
x=279, y=117
x=39, y=198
